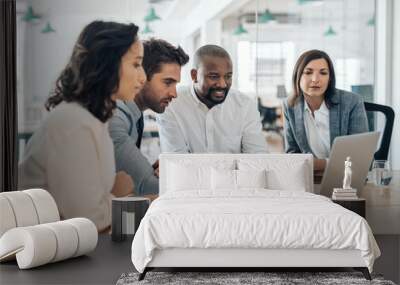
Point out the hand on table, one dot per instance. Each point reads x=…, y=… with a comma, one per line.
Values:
x=123, y=184
x=319, y=165
x=152, y=197
x=319, y=168
x=156, y=169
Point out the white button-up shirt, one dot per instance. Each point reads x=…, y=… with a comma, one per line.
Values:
x=317, y=130
x=188, y=126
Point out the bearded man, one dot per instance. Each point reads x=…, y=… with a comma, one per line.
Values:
x=208, y=116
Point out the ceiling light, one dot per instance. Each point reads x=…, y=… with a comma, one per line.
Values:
x=371, y=22
x=330, y=32
x=240, y=30
x=30, y=16
x=266, y=17
x=314, y=2
x=147, y=29
x=48, y=29
x=151, y=15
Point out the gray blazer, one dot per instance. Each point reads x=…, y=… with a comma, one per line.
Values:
x=128, y=157
x=347, y=116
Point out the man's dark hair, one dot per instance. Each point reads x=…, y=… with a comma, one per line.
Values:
x=209, y=50
x=92, y=73
x=301, y=63
x=158, y=52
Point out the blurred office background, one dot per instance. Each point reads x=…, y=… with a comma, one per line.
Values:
x=264, y=38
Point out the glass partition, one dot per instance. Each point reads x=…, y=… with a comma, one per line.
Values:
x=264, y=38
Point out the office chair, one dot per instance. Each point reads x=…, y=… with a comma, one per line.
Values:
x=269, y=117
x=383, y=151
x=366, y=91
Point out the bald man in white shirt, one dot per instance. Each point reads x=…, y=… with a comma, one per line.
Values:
x=208, y=116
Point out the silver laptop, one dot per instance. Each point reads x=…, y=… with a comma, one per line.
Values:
x=361, y=149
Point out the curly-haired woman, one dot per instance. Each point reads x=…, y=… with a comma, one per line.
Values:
x=71, y=154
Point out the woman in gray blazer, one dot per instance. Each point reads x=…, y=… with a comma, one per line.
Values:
x=316, y=112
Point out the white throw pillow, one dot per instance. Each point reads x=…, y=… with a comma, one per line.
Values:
x=223, y=179
x=294, y=179
x=184, y=177
x=282, y=174
x=189, y=174
x=237, y=179
x=251, y=178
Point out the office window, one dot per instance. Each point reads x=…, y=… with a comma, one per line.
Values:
x=263, y=66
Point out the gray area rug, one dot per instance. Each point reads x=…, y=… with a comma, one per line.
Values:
x=225, y=278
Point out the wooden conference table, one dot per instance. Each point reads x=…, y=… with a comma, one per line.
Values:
x=383, y=206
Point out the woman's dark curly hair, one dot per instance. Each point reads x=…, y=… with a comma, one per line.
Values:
x=301, y=63
x=92, y=74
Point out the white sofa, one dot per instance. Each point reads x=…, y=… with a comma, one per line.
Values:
x=31, y=231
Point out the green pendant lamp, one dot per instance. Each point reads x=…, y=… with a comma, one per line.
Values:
x=302, y=2
x=240, y=30
x=147, y=30
x=151, y=16
x=48, y=29
x=330, y=32
x=266, y=17
x=30, y=16
x=371, y=22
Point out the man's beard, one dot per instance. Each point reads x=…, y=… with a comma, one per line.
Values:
x=216, y=100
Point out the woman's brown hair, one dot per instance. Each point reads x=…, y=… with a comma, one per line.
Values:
x=92, y=73
x=301, y=63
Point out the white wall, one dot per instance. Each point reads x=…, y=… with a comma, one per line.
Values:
x=395, y=150
x=383, y=53
x=387, y=74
